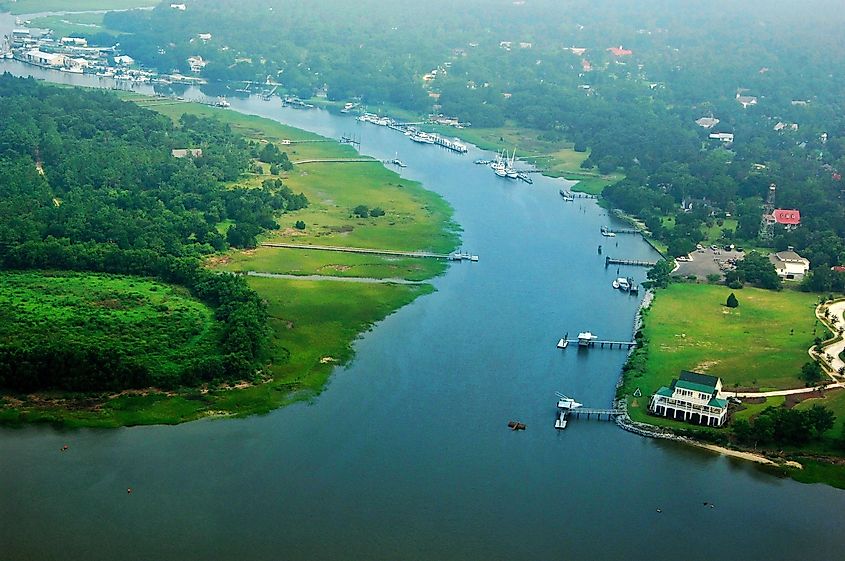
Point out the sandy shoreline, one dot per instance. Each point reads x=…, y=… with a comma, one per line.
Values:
x=759, y=458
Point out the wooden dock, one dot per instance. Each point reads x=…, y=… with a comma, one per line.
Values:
x=635, y=262
x=598, y=414
x=620, y=230
x=599, y=343
x=564, y=415
x=392, y=252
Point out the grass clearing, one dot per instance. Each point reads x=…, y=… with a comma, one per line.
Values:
x=71, y=24
x=39, y=6
x=762, y=344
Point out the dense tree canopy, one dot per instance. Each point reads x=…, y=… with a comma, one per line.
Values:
x=89, y=183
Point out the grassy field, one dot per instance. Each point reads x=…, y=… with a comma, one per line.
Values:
x=71, y=24
x=555, y=156
x=415, y=219
x=762, y=344
x=38, y=6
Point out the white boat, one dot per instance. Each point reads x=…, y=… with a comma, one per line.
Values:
x=622, y=284
x=221, y=102
x=607, y=234
x=560, y=422
x=567, y=196
x=510, y=170
x=562, y=344
x=422, y=138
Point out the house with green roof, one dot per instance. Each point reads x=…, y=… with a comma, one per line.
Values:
x=692, y=397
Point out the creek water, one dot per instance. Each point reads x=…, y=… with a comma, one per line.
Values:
x=407, y=455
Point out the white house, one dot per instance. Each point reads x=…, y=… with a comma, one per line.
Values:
x=726, y=137
x=692, y=397
x=124, y=60
x=746, y=100
x=707, y=122
x=196, y=63
x=186, y=152
x=789, y=265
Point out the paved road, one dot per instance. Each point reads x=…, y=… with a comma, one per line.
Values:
x=837, y=309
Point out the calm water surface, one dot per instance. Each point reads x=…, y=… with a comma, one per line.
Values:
x=407, y=455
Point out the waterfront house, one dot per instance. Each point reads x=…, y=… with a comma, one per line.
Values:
x=725, y=137
x=692, y=397
x=789, y=265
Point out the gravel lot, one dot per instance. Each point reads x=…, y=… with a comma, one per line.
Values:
x=706, y=262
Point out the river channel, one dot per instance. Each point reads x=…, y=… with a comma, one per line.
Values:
x=407, y=455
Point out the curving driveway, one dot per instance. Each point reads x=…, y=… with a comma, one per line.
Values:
x=837, y=309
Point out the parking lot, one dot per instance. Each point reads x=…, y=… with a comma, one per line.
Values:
x=708, y=261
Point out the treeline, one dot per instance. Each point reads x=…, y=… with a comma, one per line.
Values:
x=88, y=183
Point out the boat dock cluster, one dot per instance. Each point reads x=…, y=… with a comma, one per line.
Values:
x=411, y=131
x=40, y=47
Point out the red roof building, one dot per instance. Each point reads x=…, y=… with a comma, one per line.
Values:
x=619, y=51
x=787, y=217
x=585, y=65
x=838, y=269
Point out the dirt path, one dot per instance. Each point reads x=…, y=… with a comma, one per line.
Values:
x=837, y=310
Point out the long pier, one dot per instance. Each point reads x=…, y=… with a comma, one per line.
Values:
x=635, y=262
x=609, y=414
x=601, y=343
x=456, y=256
x=620, y=230
x=369, y=251
x=338, y=161
x=450, y=144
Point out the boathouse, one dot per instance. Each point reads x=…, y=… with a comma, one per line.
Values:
x=691, y=397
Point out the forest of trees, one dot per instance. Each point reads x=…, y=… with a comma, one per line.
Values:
x=88, y=183
x=635, y=113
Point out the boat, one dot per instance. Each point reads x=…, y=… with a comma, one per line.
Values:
x=562, y=344
x=482, y=162
x=567, y=196
x=399, y=163
x=499, y=166
x=347, y=107
x=422, y=138
x=608, y=234
x=221, y=102
x=560, y=422
x=622, y=283
x=510, y=170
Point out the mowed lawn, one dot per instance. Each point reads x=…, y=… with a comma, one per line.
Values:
x=762, y=344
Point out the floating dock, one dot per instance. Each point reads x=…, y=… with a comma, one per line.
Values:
x=453, y=145
x=635, y=262
x=568, y=407
x=619, y=230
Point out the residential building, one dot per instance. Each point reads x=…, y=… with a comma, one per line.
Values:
x=186, y=152
x=619, y=51
x=692, y=397
x=707, y=122
x=746, y=100
x=789, y=265
x=726, y=137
